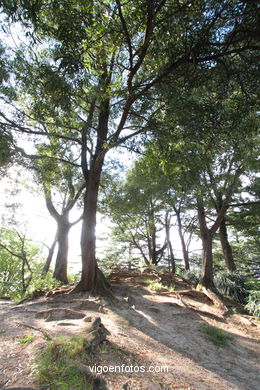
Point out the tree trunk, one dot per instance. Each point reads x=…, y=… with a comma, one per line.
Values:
x=169, y=244
x=60, y=270
x=206, y=278
x=183, y=245
x=49, y=258
x=92, y=279
x=207, y=262
x=227, y=250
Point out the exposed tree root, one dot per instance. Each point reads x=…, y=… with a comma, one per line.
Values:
x=101, y=287
x=214, y=297
x=44, y=333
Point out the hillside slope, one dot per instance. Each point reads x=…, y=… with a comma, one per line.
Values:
x=147, y=328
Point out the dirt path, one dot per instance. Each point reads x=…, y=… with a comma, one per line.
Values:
x=151, y=329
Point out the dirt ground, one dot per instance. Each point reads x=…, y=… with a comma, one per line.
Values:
x=147, y=328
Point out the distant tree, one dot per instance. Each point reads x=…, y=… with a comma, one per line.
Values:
x=138, y=214
x=57, y=176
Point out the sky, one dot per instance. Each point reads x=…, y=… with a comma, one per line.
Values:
x=33, y=218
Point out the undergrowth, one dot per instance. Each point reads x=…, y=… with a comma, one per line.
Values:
x=28, y=338
x=217, y=336
x=157, y=286
x=232, y=285
x=54, y=371
x=253, y=303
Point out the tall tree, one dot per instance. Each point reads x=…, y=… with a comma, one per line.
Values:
x=99, y=60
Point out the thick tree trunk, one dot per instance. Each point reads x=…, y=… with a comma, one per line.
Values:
x=206, y=278
x=207, y=262
x=226, y=248
x=92, y=279
x=61, y=264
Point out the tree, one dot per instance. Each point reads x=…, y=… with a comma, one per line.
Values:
x=214, y=149
x=55, y=175
x=139, y=214
x=101, y=60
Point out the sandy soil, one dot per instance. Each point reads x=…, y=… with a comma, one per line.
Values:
x=146, y=328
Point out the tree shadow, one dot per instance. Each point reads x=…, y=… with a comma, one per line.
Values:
x=169, y=322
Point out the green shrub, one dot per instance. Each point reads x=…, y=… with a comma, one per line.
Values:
x=193, y=276
x=217, y=336
x=253, y=303
x=27, y=338
x=232, y=285
x=157, y=286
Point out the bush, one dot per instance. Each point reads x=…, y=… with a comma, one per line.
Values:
x=253, y=303
x=193, y=276
x=232, y=285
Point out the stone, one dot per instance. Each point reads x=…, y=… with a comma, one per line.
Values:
x=96, y=334
x=59, y=314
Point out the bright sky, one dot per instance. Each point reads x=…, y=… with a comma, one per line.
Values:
x=33, y=218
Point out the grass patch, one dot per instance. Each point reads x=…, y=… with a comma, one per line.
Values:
x=27, y=338
x=217, y=336
x=158, y=286
x=53, y=369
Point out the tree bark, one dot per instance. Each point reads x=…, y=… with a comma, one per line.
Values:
x=61, y=264
x=169, y=244
x=92, y=278
x=207, y=262
x=206, y=278
x=226, y=248
x=183, y=245
x=49, y=258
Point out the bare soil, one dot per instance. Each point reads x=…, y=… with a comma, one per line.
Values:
x=147, y=328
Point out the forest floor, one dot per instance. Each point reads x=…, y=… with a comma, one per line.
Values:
x=147, y=328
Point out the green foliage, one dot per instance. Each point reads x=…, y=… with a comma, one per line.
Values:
x=53, y=368
x=16, y=257
x=193, y=276
x=41, y=284
x=28, y=338
x=217, y=336
x=20, y=280
x=253, y=303
x=6, y=152
x=157, y=286
x=232, y=285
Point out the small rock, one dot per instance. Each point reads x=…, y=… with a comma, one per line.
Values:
x=130, y=386
x=96, y=334
x=87, y=319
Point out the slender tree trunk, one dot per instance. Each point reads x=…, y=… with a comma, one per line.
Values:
x=183, y=245
x=61, y=264
x=169, y=244
x=226, y=248
x=49, y=258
